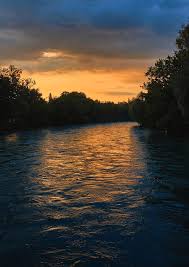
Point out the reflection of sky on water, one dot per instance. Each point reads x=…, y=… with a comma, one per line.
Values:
x=93, y=195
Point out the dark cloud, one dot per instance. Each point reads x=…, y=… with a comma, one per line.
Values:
x=91, y=33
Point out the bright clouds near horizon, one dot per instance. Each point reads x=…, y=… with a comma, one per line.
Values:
x=100, y=47
x=51, y=54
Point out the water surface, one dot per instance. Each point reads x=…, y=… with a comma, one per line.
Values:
x=97, y=195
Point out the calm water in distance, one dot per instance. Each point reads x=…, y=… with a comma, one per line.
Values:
x=97, y=195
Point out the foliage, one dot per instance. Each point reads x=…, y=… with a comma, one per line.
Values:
x=164, y=101
x=22, y=106
x=75, y=107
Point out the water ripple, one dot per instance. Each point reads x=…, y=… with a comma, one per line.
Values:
x=98, y=195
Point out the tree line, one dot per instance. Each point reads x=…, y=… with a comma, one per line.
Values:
x=22, y=105
x=164, y=100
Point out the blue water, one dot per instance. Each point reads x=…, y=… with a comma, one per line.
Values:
x=97, y=195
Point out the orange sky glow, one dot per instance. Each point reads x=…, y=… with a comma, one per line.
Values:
x=114, y=86
x=102, y=48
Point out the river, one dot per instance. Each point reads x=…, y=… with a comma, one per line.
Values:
x=95, y=195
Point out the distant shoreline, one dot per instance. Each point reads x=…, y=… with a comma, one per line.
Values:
x=14, y=130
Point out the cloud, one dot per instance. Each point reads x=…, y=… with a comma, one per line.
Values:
x=89, y=34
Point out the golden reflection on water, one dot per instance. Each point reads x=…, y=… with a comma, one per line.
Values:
x=93, y=196
x=13, y=137
x=88, y=169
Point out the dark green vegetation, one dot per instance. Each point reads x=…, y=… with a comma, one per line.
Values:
x=164, y=102
x=22, y=106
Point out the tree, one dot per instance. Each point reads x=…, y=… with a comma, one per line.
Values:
x=165, y=104
x=20, y=104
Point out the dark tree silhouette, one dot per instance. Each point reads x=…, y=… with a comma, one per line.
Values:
x=75, y=107
x=22, y=105
x=164, y=102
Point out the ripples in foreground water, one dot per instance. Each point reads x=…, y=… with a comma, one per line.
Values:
x=98, y=195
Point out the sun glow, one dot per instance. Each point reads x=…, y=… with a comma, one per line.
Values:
x=105, y=86
x=51, y=54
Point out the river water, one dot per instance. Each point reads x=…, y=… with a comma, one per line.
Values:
x=96, y=195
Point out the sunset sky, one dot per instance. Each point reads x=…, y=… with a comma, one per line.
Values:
x=100, y=47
